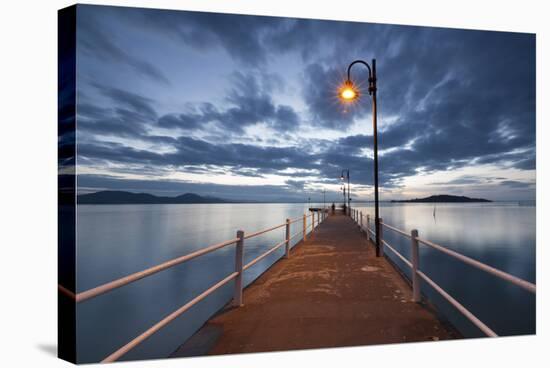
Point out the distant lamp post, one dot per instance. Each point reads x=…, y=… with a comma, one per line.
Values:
x=348, y=197
x=349, y=92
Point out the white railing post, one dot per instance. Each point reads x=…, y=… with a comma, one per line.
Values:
x=380, y=227
x=239, y=255
x=415, y=263
x=304, y=231
x=368, y=227
x=287, y=238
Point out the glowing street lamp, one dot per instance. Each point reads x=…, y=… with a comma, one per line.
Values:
x=349, y=92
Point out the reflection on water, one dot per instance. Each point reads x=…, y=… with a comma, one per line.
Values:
x=499, y=234
x=114, y=241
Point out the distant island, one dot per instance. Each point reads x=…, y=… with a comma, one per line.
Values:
x=442, y=199
x=121, y=197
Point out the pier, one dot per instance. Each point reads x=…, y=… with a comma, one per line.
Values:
x=329, y=290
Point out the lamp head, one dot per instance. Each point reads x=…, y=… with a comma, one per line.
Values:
x=348, y=92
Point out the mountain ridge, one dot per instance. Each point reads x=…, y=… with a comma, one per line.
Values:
x=443, y=198
x=123, y=197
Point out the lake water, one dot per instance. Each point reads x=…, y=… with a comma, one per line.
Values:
x=114, y=241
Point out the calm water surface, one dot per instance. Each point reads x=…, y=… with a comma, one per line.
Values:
x=114, y=241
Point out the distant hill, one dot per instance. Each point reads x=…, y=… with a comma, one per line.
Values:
x=444, y=198
x=120, y=197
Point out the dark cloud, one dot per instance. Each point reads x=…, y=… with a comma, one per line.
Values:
x=196, y=152
x=93, y=112
x=253, y=40
x=250, y=102
x=181, y=121
x=132, y=116
x=240, y=36
x=94, y=41
x=516, y=184
x=124, y=100
x=467, y=180
x=295, y=184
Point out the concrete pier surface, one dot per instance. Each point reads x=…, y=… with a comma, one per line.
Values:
x=332, y=292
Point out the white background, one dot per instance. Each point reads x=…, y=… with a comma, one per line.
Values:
x=28, y=227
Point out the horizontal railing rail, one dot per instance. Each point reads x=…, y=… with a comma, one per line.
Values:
x=163, y=322
x=399, y=255
x=417, y=274
x=482, y=266
x=462, y=309
x=237, y=275
x=257, y=233
x=397, y=230
x=263, y=255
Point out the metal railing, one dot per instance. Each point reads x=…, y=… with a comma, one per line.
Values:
x=237, y=275
x=418, y=275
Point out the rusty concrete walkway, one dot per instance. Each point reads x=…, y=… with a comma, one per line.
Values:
x=332, y=292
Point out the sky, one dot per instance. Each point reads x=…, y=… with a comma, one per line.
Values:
x=246, y=108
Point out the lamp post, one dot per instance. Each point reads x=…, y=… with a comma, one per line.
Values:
x=349, y=92
x=348, y=198
x=344, y=193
